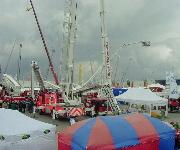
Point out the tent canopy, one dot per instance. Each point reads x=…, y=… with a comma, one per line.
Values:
x=140, y=95
x=19, y=132
x=128, y=132
x=15, y=123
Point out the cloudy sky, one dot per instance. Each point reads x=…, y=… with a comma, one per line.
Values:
x=128, y=21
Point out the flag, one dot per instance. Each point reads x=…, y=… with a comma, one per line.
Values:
x=173, y=91
x=173, y=87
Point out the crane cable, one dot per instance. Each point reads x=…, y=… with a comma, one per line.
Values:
x=9, y=58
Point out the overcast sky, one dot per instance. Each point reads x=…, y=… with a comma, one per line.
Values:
x=128, y=21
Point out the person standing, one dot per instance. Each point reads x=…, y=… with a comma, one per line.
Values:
x=34, y=111
x=30, y=106
x=1, y=102
x=3, y=105
x=23, y=107
x=20, y=106
x=72, y=121
x=13, y=105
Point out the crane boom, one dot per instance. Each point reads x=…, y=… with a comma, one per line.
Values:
x=69, y=39
x=38, y=75
x=12, y=86
x=45, y=46
x=105, y=44
x=107, y=90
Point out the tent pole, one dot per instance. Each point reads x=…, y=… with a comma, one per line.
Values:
x=150, y=109
x=166, y=112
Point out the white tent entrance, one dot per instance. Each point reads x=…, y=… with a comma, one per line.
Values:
x=144, y=97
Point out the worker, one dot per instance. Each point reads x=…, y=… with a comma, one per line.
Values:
x=72, y=121
x=23, y=107
x=13, y=105
x=96, y=108
x=20, y=105
x=30, y=106
x=1, y=102
x=4, y=105
x=53, y=114
x=34, y=111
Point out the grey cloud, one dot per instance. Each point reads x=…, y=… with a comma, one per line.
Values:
x=128, y=21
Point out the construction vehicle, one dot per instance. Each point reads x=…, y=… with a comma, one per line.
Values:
x=106, y=90
x=72, y=104
x=11, y=85
x=53, y=100
x=45, y=99
x=104, y=102
x=67, y=107
x=95, y=105
x=11, y=90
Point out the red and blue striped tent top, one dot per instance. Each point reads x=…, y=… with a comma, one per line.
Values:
x=129, y=132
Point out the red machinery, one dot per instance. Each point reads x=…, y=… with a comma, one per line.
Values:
x=50, y=102
x=95, y=106
x=174, y=105
x=11, y=90
x=47, y=102
x=45, y=46
x=15, y=99
x=44, y=101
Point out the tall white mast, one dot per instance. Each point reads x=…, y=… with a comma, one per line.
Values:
x=70, y=30
x=107, y=90
x=105, y=44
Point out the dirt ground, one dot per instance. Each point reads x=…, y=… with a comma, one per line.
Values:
x=63, y=123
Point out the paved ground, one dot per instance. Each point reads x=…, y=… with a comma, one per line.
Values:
x=60, y=123
x=63, y=123
x=175, y=117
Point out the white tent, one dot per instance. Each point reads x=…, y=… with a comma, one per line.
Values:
x=144, y=97
x=19, y=132
x=140, y=95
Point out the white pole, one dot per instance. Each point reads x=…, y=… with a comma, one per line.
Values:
x=150, y=109
x=105, y=44
x=32, y=81
x=166, y=111
x=71, y=45
x=103, y=35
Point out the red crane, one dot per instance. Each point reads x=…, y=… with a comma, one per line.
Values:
x=45, y=46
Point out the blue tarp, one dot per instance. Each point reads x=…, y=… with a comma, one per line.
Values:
x=119, y=91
